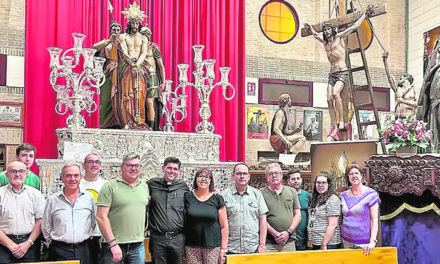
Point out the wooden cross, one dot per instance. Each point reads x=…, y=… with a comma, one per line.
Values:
x=343, y=21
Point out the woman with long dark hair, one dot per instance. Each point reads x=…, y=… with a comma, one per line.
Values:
x=206, y=226
x=360, y=211
x=324, y=211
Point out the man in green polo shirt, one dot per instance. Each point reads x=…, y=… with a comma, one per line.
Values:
x=122, y=204
x=284, y=211
x=25, y=153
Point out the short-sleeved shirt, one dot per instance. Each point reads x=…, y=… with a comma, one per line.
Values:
x=202, y=226
x=19, y=210
x=318, y=221
x=128, y=207
x=243, y=212
x=281, y=208
x=93, y=187
x=301, y=230
x=356, y=216
x=31, y=180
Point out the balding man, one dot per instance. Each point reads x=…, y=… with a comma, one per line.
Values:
x=21, y=209
x=69, y=219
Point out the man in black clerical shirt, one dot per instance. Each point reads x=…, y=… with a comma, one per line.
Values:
x=166, y=215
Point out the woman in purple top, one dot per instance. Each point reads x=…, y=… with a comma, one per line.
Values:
x=360, y=211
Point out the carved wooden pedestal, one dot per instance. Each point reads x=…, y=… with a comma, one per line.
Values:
x=409, y=189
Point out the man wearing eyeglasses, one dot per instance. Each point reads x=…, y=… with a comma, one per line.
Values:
x=20, y=217
x=246, y=210
x=294, y=180
x=122, y=204
x=69, y=219
x=167, y=216
x=26, y=154
x=93, y=183
x=284, y=211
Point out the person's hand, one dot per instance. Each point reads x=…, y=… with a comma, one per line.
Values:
x=368, y=248
x=306, y=26
x=222, y=257
x=117, y=253
x=261, y=249
x=370, y=11
x=282, y=238
x=324, y=247
x=21, y=249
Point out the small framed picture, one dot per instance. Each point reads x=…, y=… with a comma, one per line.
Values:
x=11, y=114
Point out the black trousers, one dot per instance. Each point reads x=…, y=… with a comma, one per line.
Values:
x=95, y=248
x=59, y=250
x=32, y=255
x=167, y=249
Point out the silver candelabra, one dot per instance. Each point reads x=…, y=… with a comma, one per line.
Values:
x=76, y=84
x=204, y=85
x=177, y=104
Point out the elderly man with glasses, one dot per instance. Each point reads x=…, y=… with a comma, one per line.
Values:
x=122, y=204
x=284, y=211
x=20, y=217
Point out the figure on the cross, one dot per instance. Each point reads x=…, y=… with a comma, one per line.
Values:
x=334, y=44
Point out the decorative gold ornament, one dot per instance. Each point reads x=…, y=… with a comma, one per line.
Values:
x=134, y=12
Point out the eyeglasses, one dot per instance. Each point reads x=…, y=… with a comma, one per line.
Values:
x=91, y=162
x=206, y=178
x=274, y=174
x=16, y=172
x=321, y=183
x=133, y=166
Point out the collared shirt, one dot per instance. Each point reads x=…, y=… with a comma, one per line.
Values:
x=66, y=222
x=167, y=212
x=243, y=212
x=127, y=208
x=19, y=210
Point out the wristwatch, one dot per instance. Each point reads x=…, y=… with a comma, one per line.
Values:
x=290, y=232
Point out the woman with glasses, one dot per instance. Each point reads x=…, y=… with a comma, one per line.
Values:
x=360, y=211
x=206, y=225
x=324, y=211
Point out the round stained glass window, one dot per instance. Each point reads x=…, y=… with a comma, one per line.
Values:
x=279, y=21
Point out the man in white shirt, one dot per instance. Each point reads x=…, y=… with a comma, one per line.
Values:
x=92, y=182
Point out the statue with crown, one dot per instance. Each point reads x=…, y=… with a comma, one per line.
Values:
x=135, y=73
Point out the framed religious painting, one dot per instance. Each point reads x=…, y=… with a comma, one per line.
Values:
x=429, y=39
x=11, y=114
x=313, y=125
x=257, y=122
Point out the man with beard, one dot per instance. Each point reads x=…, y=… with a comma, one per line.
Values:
x=405, y=93
x=294, y=180
x=135, y=75
x=334, y=45
x=283, y=136
x=111, y=112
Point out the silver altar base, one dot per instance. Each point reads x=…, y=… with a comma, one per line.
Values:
x=194, y=151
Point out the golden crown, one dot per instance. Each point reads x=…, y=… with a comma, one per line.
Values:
x=134, y=12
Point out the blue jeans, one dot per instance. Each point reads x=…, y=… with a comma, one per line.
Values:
x=301, y=245
x=318, y=247
x=132, y=253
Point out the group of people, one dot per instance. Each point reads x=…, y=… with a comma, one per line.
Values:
x=100, y=221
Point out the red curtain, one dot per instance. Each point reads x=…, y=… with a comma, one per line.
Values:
x=177, y=25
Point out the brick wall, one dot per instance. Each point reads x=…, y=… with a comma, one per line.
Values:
x=304, y=59
x=12, y=44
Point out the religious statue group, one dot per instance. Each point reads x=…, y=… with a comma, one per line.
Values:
x=284, y=137
x=135, y=73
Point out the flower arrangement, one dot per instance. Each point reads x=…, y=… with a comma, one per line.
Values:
x=405, y=132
